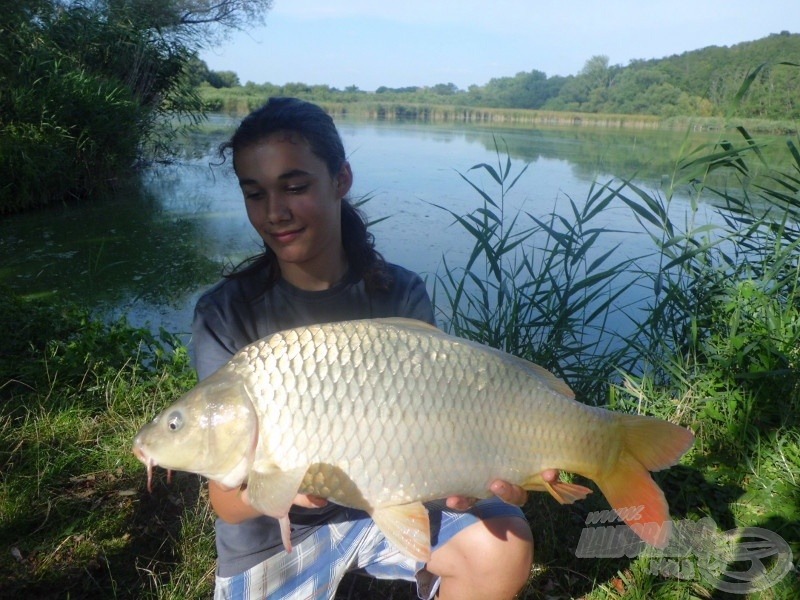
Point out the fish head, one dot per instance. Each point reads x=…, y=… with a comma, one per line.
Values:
x=211, y=430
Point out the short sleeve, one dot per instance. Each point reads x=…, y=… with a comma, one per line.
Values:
x=212, y=345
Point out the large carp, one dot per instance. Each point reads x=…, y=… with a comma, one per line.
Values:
x=383, y=415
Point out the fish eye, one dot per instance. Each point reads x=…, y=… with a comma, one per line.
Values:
x=174, y=420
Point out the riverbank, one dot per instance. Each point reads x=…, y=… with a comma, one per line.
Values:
x=239, y=102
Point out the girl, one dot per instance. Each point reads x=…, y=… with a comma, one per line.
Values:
x=319, y=265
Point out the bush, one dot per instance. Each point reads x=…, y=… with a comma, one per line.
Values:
x=85, y=96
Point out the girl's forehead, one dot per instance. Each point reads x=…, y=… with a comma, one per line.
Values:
x=286, y=136
x=279, y=141
x=277, y=151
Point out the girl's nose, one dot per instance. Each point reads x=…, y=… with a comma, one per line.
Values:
x=278, y=210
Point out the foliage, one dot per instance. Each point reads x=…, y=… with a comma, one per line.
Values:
x=91, y=88
x=543, y=300
x=74, y=514
x=715, y=347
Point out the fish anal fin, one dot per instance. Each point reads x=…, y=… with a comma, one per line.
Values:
x=562, y=491
x=407, y=527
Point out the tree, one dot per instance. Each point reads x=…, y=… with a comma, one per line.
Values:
x=91, y=87
x=595, y=71
x=194, y=22
x=445, y=89
x=196, y=70
x=222, y=79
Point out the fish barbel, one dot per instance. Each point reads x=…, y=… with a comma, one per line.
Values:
x=385, y=414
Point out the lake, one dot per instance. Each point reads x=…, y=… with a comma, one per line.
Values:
x=149, y=251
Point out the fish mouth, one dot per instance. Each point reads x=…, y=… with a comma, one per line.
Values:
x=149, y=463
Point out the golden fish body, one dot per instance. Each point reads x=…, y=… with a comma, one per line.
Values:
x=383, y=415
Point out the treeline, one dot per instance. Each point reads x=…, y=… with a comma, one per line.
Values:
x=700, y=83
x=90, y=88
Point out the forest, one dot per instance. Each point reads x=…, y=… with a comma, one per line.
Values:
x=700, y=83
x=90, y=90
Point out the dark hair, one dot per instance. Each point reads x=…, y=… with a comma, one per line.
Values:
x=315, y=126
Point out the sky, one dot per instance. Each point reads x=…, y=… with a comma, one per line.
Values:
x=398, y=43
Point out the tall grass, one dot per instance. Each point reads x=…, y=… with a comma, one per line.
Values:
x=534, y=289
x=74, y=518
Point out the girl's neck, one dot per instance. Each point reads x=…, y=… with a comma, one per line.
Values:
x=315, y=278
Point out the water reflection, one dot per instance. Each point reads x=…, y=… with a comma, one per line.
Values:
x=148, y=251
x=125, y=254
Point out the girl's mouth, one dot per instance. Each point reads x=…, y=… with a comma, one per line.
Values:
x=284, y=237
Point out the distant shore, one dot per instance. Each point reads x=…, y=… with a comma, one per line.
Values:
x=238, y=102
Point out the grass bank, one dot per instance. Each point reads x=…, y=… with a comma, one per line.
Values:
x=714, y=348
x=240, y=101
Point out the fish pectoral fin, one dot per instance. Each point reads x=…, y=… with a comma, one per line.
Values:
x=272, y=491
x=286, y=532
x=407, y=527
x=563, y=492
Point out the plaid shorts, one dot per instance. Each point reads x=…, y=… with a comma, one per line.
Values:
x=317, y=564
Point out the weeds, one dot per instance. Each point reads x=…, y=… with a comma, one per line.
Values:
x=74, y=514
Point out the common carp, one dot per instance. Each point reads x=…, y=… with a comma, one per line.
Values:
x=385, y=414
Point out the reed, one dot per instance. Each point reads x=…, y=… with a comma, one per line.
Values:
x=712, y=343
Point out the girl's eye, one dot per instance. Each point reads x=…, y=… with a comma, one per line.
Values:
x=297, y=189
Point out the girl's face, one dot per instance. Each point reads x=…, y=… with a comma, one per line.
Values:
x=294, y=204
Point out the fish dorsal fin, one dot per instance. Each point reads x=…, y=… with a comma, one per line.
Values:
x=407, y=527
x=410, y=324
x=553, y=382
x=546, y=377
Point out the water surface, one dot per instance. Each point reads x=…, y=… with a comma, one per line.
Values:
x=149, y=251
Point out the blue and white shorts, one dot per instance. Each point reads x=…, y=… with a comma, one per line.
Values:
x=317, y=564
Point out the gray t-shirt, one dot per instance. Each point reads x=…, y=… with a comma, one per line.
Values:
x=239, y=311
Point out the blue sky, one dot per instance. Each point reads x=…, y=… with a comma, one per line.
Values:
x=369, y=43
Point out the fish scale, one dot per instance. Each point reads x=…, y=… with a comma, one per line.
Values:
x=386, y=414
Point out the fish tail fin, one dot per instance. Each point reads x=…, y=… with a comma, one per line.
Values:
x=648, y=444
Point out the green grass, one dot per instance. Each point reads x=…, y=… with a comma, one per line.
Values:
x=73, y=510
x=716, y=350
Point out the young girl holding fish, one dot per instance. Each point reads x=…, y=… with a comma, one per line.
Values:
x=319, y=265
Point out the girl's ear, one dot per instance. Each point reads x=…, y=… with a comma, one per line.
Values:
x=344, y=180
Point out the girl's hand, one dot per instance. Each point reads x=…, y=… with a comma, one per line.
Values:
x=306, y=501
